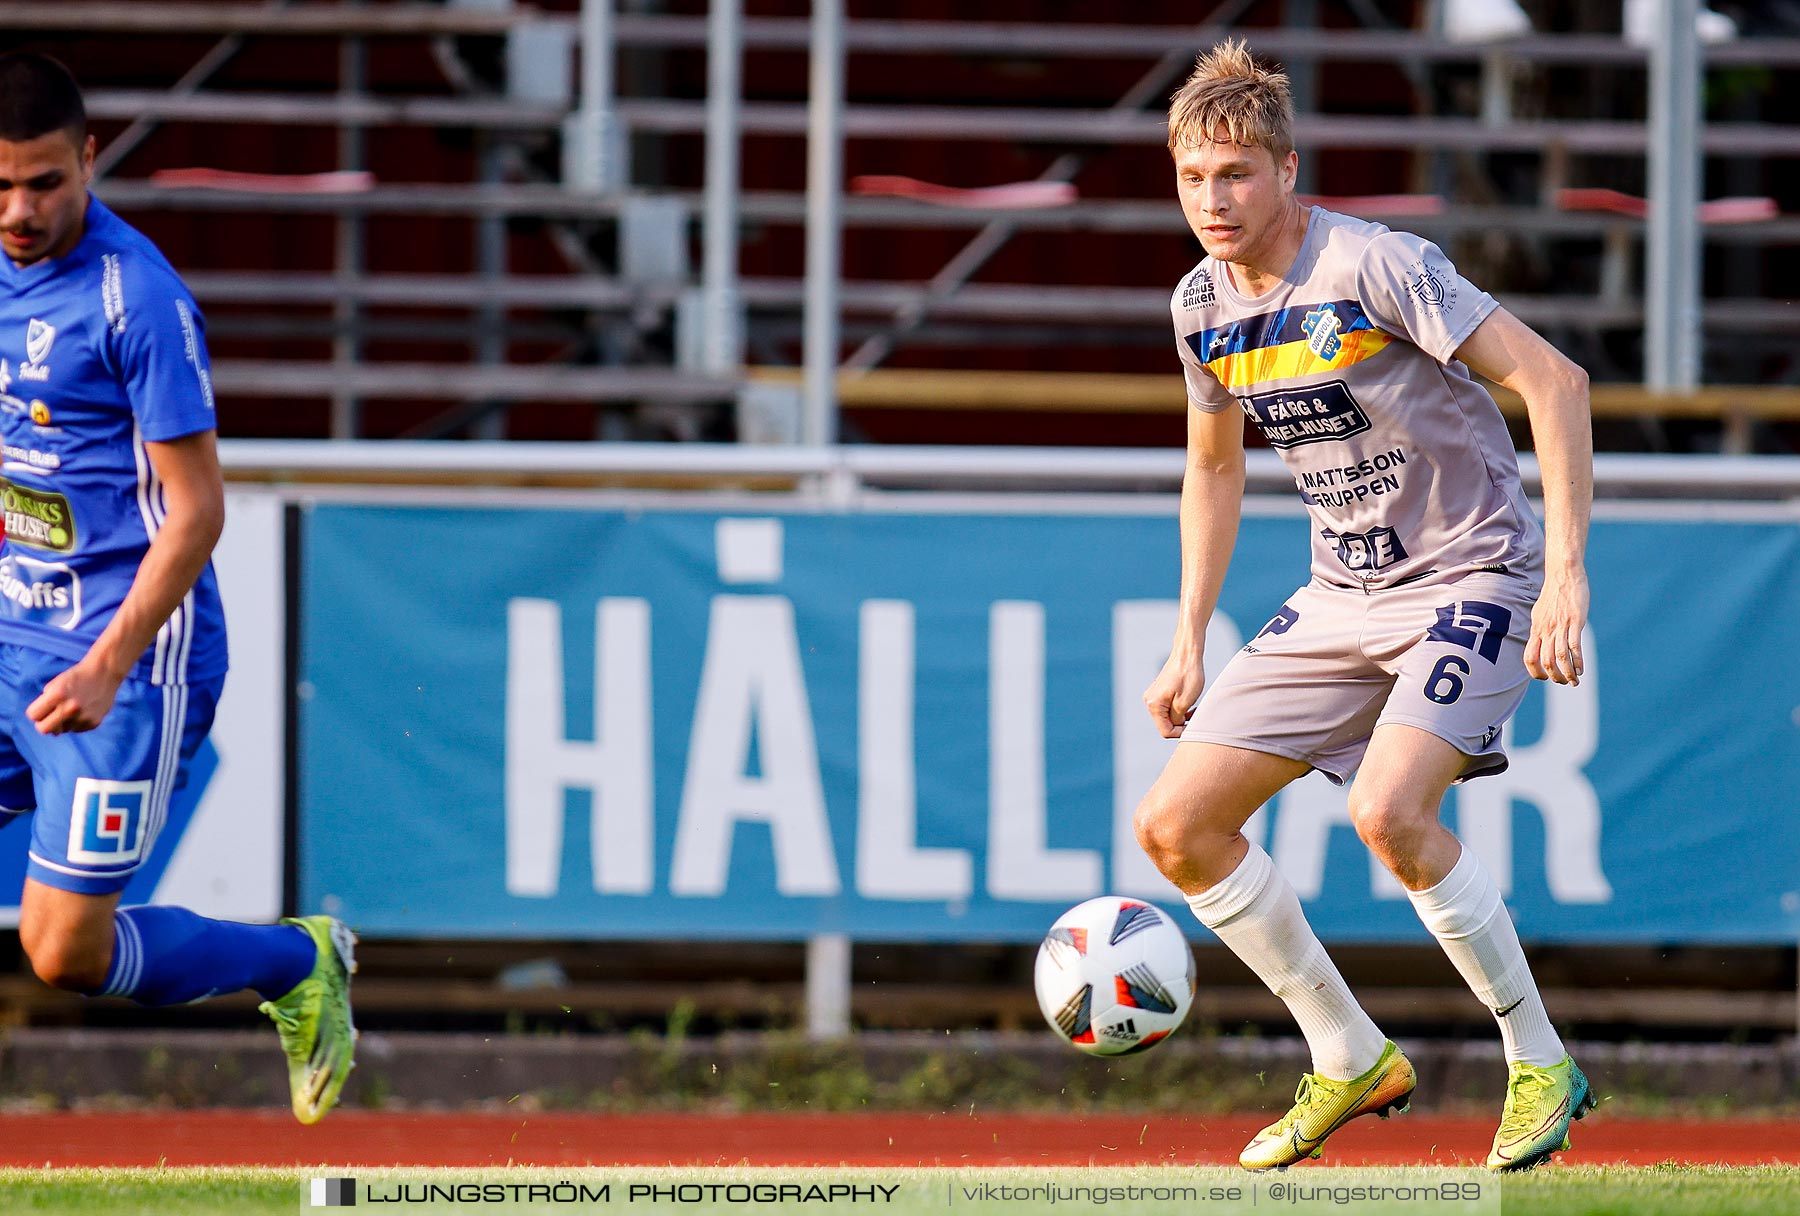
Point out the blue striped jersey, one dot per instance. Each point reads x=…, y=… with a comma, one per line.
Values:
x=101, y=352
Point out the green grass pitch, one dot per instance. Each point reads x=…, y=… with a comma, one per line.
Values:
x=1576, y=1191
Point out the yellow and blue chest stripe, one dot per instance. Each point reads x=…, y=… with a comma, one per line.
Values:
x=1289, y=342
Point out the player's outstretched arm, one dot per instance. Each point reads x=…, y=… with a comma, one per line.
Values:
x=194, y=490
x=1212, y=495
x=1507, y=351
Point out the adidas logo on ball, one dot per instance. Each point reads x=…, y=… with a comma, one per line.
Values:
x=1114, y=975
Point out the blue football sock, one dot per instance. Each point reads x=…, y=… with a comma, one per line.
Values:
x=169, y=956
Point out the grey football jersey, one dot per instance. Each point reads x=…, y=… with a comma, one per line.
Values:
x=1348, y=369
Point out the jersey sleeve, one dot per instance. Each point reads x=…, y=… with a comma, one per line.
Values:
x=159, y=348
x=1408, y=287
x=1204, y=392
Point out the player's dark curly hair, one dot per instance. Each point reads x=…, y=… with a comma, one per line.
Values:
x=38, y=95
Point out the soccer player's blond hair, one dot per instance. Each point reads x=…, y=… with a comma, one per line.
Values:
x=1229, y=96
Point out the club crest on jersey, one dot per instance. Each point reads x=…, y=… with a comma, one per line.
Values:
x=1321, y=328
x=39, y=338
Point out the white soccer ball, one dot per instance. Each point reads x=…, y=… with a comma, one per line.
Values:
x=1114, y=975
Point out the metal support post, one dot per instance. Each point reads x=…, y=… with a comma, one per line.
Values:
x=490, y=264
x=594, y=148
x=824, y=186
x=346, y=314
x=1303, y=83
x=828, y=986
x=1496, y=88
x=723, y=319
x=1672, y=295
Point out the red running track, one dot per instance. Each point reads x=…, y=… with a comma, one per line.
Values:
x=363, y=1138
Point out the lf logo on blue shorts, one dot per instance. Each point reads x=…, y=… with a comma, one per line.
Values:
x=107, y=827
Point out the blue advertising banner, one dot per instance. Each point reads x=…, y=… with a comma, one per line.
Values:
x=593, y=723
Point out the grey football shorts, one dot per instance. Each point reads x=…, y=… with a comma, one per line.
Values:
x=1333, y=664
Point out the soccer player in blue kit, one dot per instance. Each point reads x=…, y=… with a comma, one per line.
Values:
x=112, y=639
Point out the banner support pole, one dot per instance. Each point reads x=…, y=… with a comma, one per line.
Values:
x=828, y=986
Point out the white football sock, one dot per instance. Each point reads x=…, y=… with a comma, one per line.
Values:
x=1257, y=914
x=1469, y=919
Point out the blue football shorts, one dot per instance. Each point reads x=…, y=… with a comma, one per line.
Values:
x=97, y=798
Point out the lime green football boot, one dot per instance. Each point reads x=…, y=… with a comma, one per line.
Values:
x=314, y=1020
x=1322, y=1105
x=1540, y=1105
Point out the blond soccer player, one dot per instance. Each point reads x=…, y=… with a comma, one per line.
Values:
x=1434, y=594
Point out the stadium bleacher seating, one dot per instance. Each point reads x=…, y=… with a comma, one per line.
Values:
x=472, y=271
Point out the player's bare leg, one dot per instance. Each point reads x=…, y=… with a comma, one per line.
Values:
x=1395, y=805
x=68, y=936
x=1191, y=822
x=1191, y=825
x=1395, y=800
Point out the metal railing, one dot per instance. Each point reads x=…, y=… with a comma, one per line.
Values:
x=830, y=472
